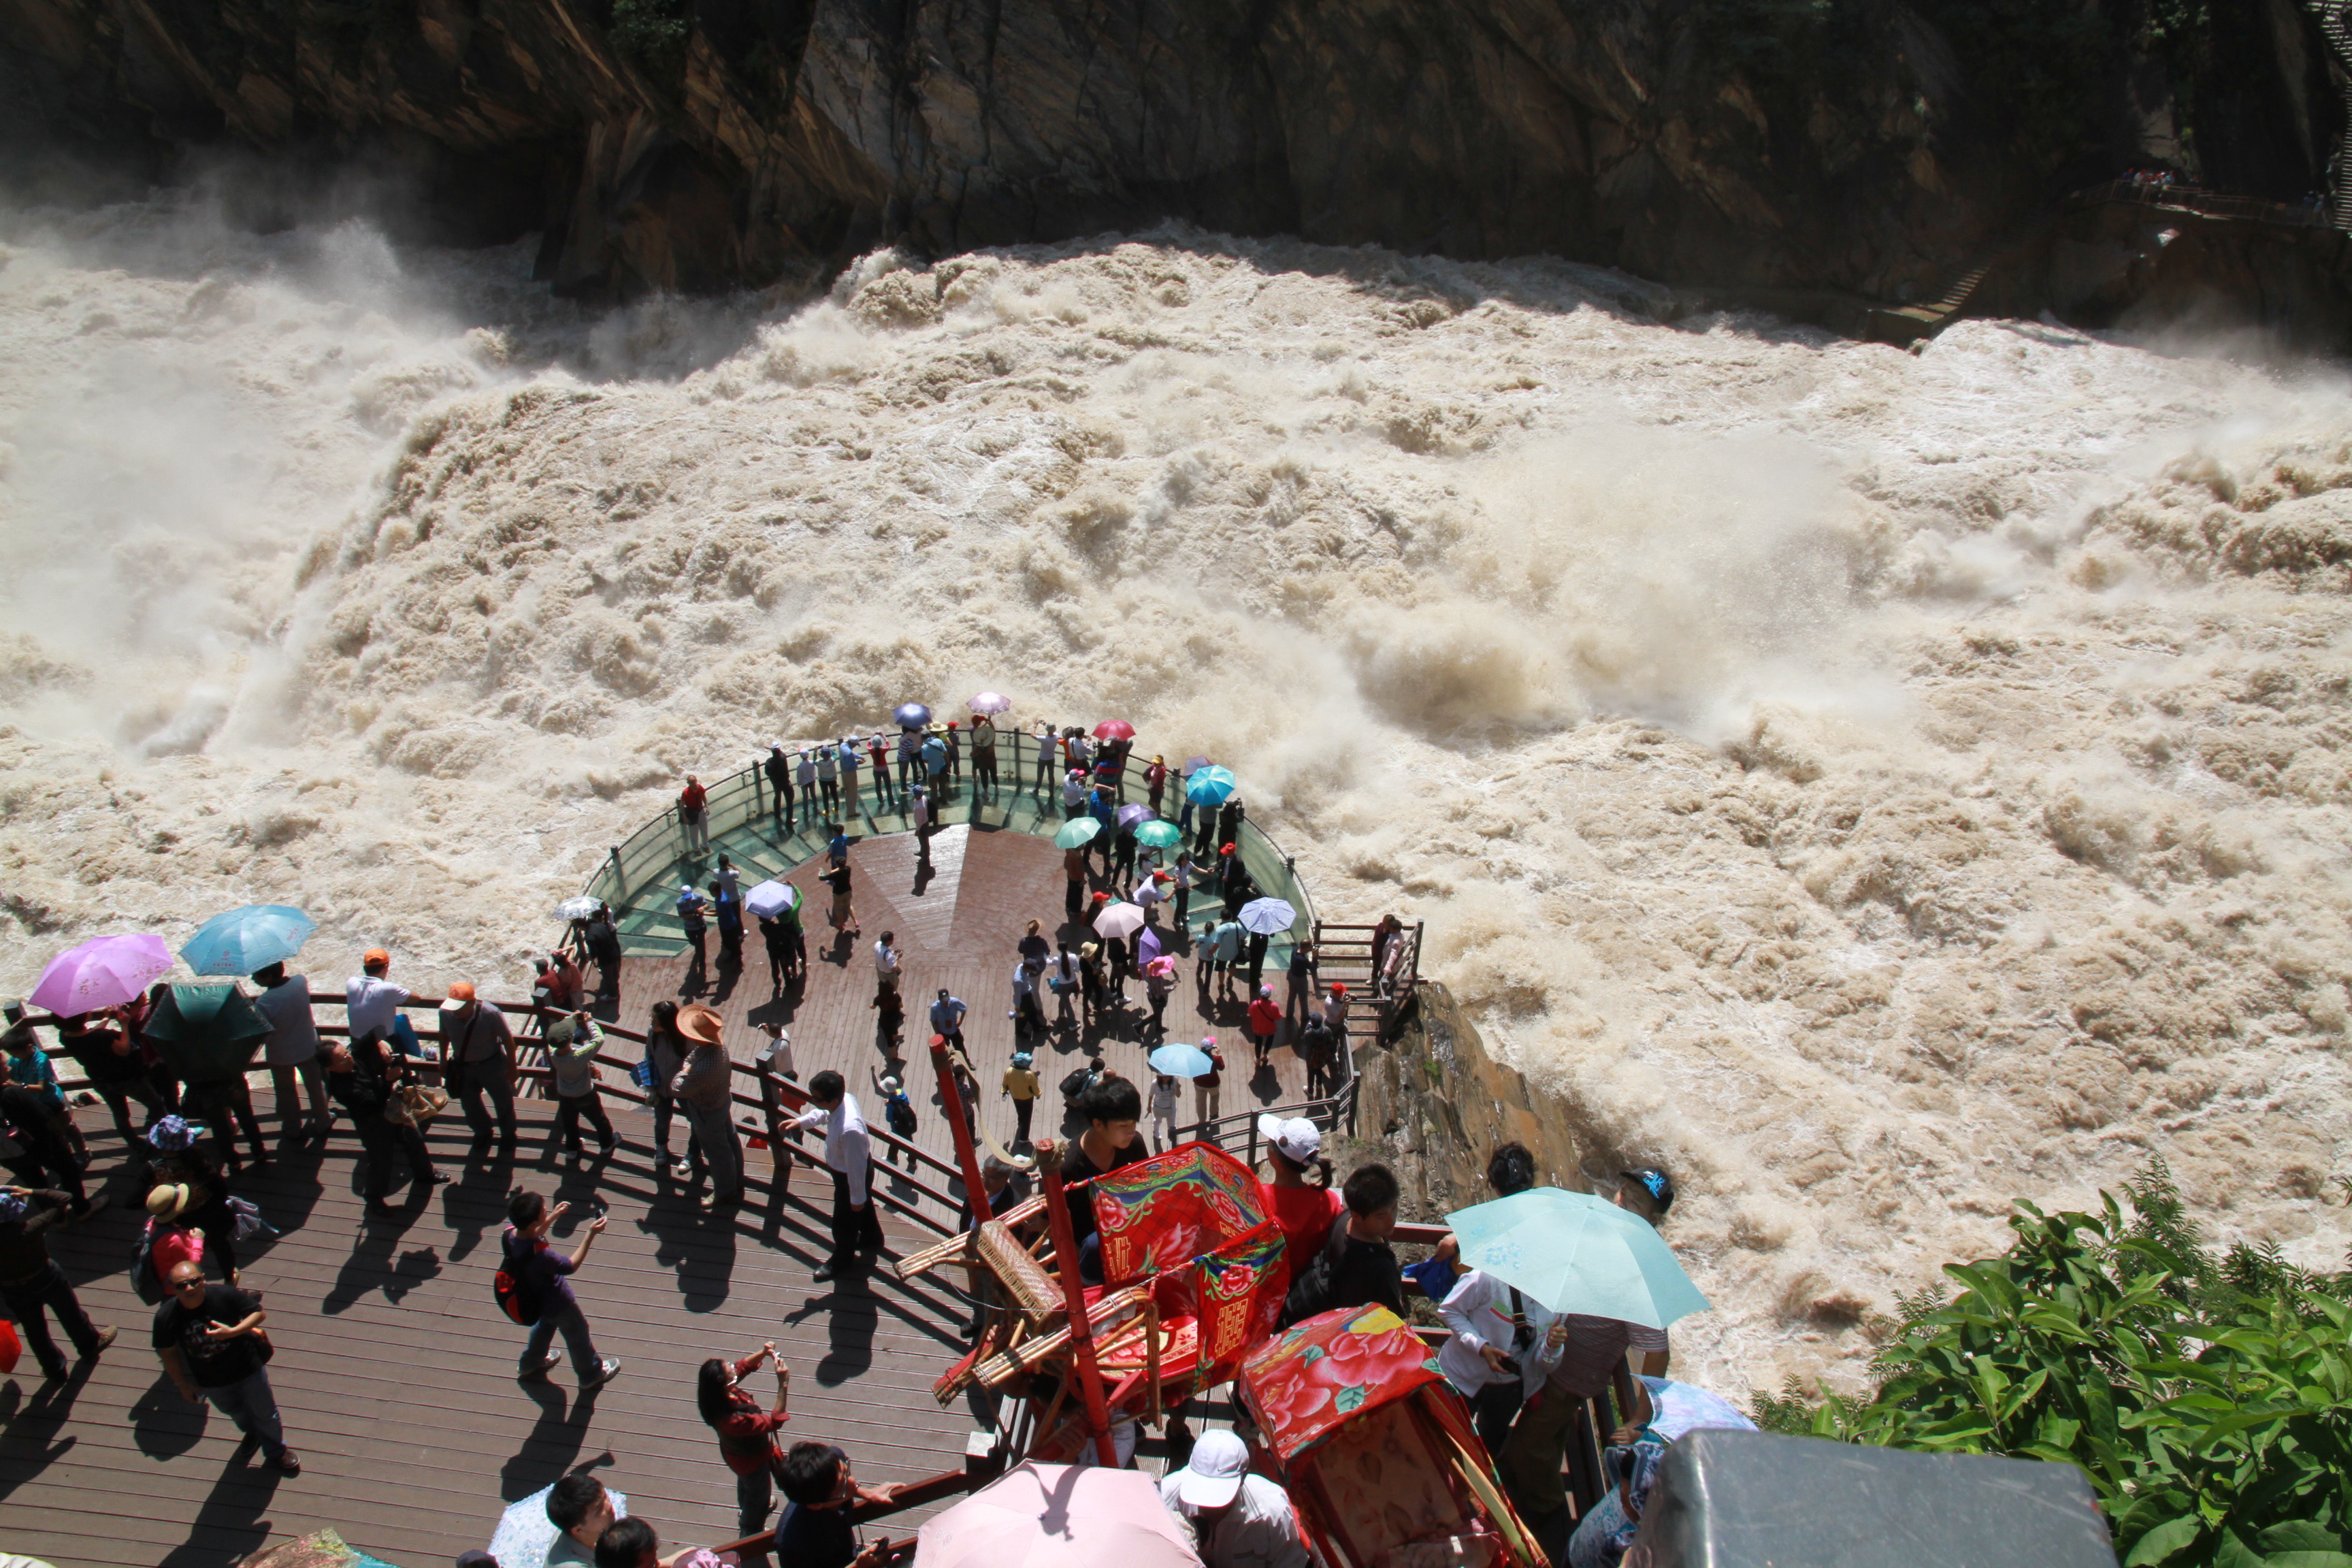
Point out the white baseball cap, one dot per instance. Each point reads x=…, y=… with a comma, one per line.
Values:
x=1219, y=1461
x=1296, y=1137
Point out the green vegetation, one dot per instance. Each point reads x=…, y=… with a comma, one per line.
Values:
x=651, y=34
x=2207, y=1394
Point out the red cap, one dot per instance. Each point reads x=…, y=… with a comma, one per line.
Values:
x=1226, y=850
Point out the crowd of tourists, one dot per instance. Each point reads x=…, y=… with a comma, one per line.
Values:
x=1520, y=1369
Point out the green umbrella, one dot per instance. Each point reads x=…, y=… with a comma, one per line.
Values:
x=1078, y=831
x=205, y=1033
x=1158, y=835
x=1576, y=1253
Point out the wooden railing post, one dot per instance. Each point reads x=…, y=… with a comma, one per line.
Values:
x=1074, y=1301
x=975, y=1191
x=772, y=1109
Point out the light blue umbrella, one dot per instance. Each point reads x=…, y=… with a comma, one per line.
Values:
x=1182, y=1061
x=1676, y=1408
x=1577, y=1253
x=1076, y=831
x=911, y=715
x=243, y=941
x=526, y=1535
x=1211, y=785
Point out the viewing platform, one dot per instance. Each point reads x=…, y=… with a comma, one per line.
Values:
x=395, y=1368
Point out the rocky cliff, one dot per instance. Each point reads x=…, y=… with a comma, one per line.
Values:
x=1855, y=144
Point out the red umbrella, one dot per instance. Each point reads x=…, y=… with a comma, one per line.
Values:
x=1113, y=730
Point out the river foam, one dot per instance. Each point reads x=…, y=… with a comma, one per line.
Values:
x=1871, y=784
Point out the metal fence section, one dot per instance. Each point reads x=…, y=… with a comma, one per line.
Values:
x=640, y=877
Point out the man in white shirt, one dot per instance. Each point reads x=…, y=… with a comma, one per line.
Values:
x=1496, y=1329
x=886, y=964
x=371, y=1003
x=849, y=1155
x=1237, y=1519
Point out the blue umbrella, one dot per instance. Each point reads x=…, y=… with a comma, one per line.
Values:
x=1577, y=1253
x=243, y=941
x=911, y=715
x=1211, y=785
x=1182, y=1061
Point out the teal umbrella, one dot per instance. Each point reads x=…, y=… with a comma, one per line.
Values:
x=1576, y=1253
x=1211, y=785
x=243, y=941
x=1076, y=831
x=206, y=1032
x=1159, y=834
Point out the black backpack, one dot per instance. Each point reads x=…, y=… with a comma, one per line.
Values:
x=1313, y=1284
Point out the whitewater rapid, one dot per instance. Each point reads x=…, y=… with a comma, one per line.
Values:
x=1872, y=785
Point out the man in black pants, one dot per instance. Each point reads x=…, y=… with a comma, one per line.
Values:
x=849, y=1155
x=38, y=1127
x=361, y=1081
x=31, y=1285
x=779, y=769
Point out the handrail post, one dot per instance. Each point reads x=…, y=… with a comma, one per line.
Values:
x=1074, y=1301
x=975, y=1192
x=780, y=1164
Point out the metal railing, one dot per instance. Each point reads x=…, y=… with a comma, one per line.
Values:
x=2205, y=202
x=1336, y=1113
x=639, y=874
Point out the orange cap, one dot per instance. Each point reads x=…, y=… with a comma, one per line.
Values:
x=373, y=956
x=461, y=991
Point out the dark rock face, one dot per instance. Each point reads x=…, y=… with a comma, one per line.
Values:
x=1855, y=144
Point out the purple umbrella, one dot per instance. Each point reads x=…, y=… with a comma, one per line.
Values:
x=1131, y=817
x=104, y=972
x=1194, y=764
x=1147, y=945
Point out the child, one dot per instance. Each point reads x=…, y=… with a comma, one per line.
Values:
x=1163, y=1110
x=898, y=1113
x=571, y=1046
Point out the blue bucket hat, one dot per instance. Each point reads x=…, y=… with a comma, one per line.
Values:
x=13, y=1206
x=174, y=1133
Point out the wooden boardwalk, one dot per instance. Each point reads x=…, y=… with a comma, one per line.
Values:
x=394, y=1370
x=958, y=923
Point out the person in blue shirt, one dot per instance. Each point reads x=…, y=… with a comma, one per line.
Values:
x=935, y=764
x=946, y=1018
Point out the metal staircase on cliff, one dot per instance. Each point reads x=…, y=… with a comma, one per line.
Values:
x=1376, y=996
x=2334, y=19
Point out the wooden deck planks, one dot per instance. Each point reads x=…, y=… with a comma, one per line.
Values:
x=395, y=1372
x=958, y=924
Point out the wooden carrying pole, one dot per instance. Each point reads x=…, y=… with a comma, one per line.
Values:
x=1073, y=1298
x=975, y=1192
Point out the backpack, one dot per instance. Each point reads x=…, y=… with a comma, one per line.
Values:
x=1311, y=1287
x=519, y=1305
x=900, y=1115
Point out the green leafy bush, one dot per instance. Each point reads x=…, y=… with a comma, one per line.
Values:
x=2207, y=1395
x=652, y=35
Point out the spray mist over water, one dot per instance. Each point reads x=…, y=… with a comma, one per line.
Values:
x=1872, y=785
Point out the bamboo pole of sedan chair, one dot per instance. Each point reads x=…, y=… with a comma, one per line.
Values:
x=1074, y=1299
x=975, y=1191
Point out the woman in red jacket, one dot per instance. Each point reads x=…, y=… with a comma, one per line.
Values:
x=1265, y=1022
x=747, y=1434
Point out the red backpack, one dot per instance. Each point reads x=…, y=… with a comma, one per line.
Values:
x=518, y=1303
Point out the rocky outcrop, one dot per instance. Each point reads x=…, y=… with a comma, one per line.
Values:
x=692, y=143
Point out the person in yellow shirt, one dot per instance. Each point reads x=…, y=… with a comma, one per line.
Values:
x=1021, y=1086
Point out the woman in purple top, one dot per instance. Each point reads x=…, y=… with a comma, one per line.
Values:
x=544, y=1276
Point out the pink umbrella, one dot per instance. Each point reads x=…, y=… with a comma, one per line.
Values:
x=992, y=702
x=1119, y=919
x=1057, y=1516
x=104, y=972
x=1113, y=730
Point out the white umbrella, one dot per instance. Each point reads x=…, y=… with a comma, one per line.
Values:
x=771, y=898
x=1057, y=1516
x=526, y=1535
x=1119, y=919
x=1267, y=917
x=582, y=907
